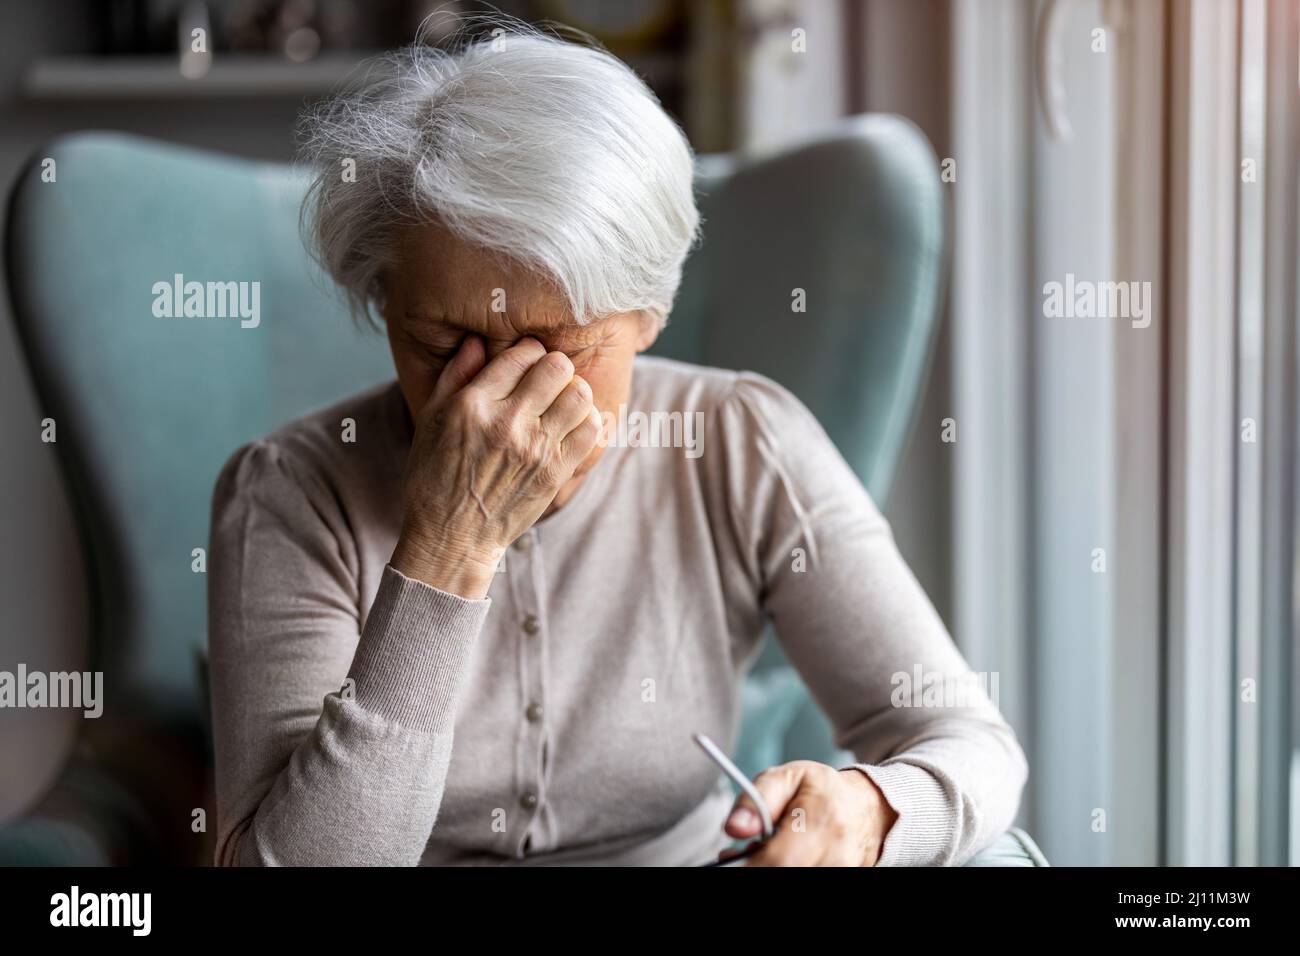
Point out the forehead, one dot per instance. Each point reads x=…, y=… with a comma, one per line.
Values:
x=439, y=277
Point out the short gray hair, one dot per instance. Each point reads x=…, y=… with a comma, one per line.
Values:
x=552, y=153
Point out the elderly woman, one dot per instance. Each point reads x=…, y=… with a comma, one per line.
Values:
x=483, y=632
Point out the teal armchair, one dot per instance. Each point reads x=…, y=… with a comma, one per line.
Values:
x=149, y=408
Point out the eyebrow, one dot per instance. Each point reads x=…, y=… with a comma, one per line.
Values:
x=442, y=319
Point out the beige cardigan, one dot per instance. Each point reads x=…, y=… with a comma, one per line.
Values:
x=364, y=718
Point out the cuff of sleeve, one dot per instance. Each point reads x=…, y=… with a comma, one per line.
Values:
x=412, y=654
x=921, y=833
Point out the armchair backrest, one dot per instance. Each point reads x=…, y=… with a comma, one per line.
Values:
x=148, y=408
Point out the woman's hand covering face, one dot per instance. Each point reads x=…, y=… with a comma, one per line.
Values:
x=493, y=444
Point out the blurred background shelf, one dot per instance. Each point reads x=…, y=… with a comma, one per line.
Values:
x=160, y=77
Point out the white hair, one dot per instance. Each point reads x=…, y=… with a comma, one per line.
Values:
x=554, y=154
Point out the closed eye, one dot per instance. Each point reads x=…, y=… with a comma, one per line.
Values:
x=439, y=348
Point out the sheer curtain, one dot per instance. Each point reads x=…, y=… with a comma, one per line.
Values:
x=1124, y=486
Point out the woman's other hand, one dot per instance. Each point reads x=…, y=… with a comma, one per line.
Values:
x=493, y=445
x=823, y=816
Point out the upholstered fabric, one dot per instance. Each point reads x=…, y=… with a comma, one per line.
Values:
x=148, y=408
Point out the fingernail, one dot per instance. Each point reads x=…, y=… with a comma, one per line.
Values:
x=743, y=818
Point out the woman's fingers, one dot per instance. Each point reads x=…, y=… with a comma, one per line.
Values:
x=809, y=846
x=507, y=434
x=501, y=376
x=544, y=393
x=792, y=802
x=776, y=785
x=579, y=442
x=570, y=407
x=542, y=384
x=456, y=374
x=825, y=817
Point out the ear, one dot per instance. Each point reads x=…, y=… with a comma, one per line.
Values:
x=650, y=327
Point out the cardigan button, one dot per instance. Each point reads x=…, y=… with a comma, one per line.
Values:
x=531, y=624
x=533, y=712
x=528, y=801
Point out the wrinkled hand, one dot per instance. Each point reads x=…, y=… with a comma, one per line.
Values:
x=823, y=817
x=493, y=445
